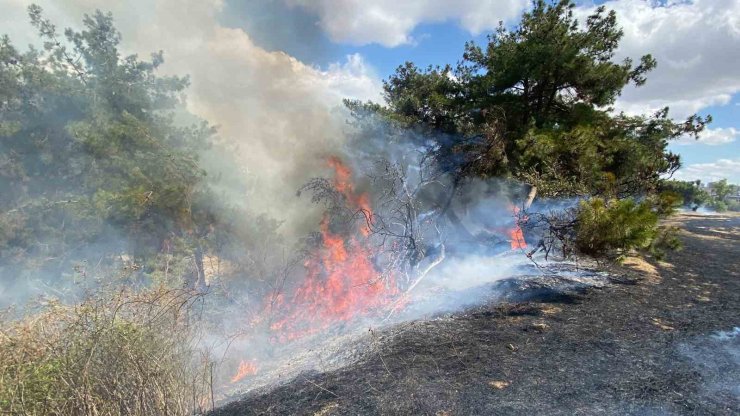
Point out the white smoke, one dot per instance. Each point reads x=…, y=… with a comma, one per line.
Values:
x=283, y=116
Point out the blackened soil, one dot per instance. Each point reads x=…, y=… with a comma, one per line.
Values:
x=649, y=344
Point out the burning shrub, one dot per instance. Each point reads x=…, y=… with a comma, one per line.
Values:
x=123, y=353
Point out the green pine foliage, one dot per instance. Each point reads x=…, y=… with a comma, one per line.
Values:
x=536, y=101
x=615, y=227
x=534, y=104
x=92, y=162
x=691, y=193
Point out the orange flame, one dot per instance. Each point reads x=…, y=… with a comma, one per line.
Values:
x=515, y=233
x=246, y=368
x=342, y=282
x=343, y=184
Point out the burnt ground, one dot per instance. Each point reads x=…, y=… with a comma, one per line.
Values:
x=647, y=344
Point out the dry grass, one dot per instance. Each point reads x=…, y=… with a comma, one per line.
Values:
x=119, y=353
x=649, y=272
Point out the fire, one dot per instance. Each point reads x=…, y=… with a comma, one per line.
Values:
x=515, y=233
x=343, y=184
x=246, y=368
x=341, y=281
x=517, y=238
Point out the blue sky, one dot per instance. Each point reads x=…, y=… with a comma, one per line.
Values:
x=440, y=40
x=722, y=116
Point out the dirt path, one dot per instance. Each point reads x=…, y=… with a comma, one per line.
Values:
x=650, y=344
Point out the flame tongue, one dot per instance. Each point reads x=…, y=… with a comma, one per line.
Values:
x=341, y=282
x=515, y=233
x=343, y=184
x=246, y=368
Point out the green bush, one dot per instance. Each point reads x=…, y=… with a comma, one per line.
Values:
x=691, y=193
x=124, y=353
x=615, y=226
x=665, y=240
x=717, y=205
x=610, y=228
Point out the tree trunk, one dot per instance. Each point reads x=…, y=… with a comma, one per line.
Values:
x=196, y=277
x=530, y=196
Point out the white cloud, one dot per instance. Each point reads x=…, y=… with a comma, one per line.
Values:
x=390, y=22
x=353, y=79
x=712, y=137
x=709, y=172
x=696, y=44
x=280, y=111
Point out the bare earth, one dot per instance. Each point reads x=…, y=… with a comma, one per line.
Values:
x=661, y=339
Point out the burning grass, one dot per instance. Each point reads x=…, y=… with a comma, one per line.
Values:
x=120, y=353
